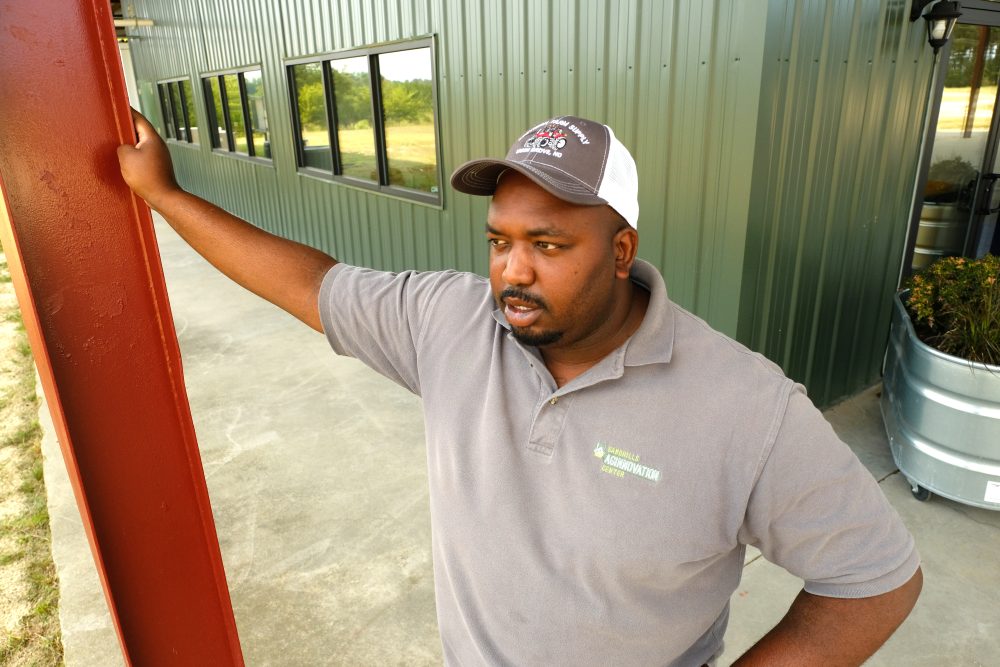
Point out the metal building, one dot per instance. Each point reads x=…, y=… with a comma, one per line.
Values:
x=778, y=143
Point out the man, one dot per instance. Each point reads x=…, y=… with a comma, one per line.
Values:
x=598, y=457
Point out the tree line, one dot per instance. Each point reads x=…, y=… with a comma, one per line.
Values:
x=404, y=102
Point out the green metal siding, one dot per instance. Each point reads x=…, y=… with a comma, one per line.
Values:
x=677, y=80
x=842, y=103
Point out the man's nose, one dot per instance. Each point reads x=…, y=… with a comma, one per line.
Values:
x=518, y=270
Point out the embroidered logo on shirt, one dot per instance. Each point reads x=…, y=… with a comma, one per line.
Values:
x=617, y=462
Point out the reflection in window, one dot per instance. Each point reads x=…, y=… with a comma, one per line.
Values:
x=216, y=114
x=258, y=113
x=234, y=107
x=377, y=107
x=177, y=107
x=314, y=128
x=168, y=112
x=192, y=117
x=355, y=136
x=180, y=122
x=408, y=103
x=237, y=113
x=960, y=144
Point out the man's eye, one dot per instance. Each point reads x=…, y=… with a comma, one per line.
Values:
x=546, y=245
x=495, y=243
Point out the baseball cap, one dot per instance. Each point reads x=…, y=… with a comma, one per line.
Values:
x=577, y=160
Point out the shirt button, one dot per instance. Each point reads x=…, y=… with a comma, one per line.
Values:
x=554, y=400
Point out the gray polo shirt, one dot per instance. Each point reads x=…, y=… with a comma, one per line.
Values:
x=605, y=522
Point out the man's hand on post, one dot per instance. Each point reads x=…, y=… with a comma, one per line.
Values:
x=146, y=166
x=286, y=273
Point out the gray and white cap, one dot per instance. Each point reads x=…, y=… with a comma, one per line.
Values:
x=577, y=160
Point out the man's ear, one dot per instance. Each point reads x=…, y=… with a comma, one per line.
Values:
x=626, y=245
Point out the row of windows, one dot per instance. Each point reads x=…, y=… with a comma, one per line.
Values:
x=177, y=105
x=237, y=113
x=381, y=134
x=366, y=117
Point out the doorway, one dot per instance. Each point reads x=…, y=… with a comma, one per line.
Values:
x=958, y=196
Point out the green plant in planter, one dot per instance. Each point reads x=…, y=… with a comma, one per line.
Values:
x=955, y=307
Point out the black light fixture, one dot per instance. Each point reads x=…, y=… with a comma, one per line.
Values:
x=940, y=20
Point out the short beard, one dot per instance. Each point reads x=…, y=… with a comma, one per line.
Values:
x=539, y=339
x=523, y=336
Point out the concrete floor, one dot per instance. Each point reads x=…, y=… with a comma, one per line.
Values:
x=316, y=470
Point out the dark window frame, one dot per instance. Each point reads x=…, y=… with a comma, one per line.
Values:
x=166, y=112
x=177, y=104
x=378, y=116
x=167, y=90
x=230, y=148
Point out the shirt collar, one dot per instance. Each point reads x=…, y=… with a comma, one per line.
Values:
x=653, y=341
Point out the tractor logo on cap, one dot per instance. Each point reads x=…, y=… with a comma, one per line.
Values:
x=550, y=136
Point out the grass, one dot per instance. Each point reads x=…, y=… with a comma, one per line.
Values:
x=25, y=539
x=411, y=148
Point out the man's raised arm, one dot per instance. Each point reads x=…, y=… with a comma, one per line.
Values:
x=286, y=273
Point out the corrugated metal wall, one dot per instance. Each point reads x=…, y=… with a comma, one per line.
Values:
x=842, y=105
x=677, y=80
x=776, y=143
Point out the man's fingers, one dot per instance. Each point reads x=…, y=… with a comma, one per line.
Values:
x=145, y=166
x=138, y=118
x=124, y=150
x=143, y=127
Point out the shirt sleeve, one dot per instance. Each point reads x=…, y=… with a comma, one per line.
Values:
x=816, y=511
x=380, y=317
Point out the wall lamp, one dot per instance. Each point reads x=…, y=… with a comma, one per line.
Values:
x=940, y=20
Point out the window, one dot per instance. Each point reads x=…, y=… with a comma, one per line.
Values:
x=234, y=108
x=408, y=108
x=355, y=130
x=253, y=88
x=177, y=106
x=237, y=113
x=367, y=117
x=216, y=116
x=314, y=132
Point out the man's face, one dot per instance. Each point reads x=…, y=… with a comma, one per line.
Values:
x=553, y=265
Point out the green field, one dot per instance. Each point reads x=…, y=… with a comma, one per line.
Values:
x=412, y=154
x=260, y=144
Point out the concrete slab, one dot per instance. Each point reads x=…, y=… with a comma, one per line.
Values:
x=87, y=633
x=858, y=422
x=316, y=470
x=761, y=600
x=315, y=466
x=956, y=621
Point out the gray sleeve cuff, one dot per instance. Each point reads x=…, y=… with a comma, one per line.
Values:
x=326, y=314
x=866, y=589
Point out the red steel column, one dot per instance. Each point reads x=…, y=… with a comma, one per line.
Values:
x=89, y=281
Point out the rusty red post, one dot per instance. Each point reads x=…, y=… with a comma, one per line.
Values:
x=86, y=270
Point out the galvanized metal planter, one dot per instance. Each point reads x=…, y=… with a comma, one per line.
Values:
x=942, y=416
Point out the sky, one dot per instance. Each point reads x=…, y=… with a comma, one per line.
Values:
x=395, y=66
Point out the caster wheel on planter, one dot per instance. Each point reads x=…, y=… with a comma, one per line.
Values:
x=920, y=493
